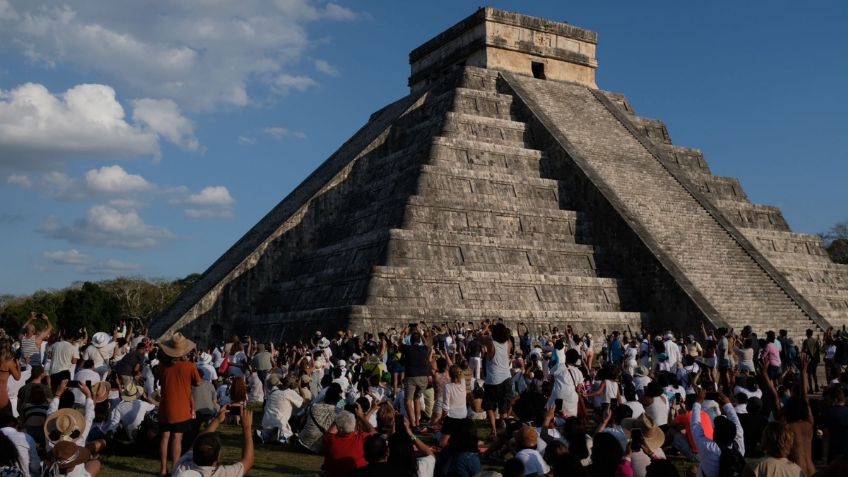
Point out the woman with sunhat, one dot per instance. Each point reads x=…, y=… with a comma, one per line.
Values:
x=68, y=459
x=176, y=410
x=646, y=443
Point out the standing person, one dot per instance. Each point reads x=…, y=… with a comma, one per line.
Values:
x=414, y=358
x=99, y=352
x=672, y=350
x=8, y=367
x=64, y=357
x=31, y=339
x=131, y=365
x=812, y=347
x=176, y=407
x=262, y=361
x=497, y=387
x=772, y=352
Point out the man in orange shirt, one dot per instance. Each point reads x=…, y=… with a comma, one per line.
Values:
x=176, y=408
x=682, y=439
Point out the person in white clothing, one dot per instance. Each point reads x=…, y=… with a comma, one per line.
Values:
x=672, y=350
x=279, y=403
x=27, y=448
x=130, y=413
x=728, y=436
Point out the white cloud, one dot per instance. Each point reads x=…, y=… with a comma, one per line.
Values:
x=285, y=83
x=114, y=179
x=201, y=54
x=66, y=257
x=109, y=267
x=205, y=214
x=246, y=140
x=326, y=68
x=20, y=180
x=279, y=133
x=86, y=120
x=107, y=226
x=212, y=195
x=163, y=117
x=212, y=202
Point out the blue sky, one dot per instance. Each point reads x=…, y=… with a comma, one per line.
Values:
x=144, y=138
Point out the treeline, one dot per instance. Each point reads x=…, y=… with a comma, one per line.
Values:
x=96, y=306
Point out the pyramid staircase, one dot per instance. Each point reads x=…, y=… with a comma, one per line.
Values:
x=451, y=219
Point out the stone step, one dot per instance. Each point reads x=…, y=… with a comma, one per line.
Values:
x=668, y=217
x=494, y=131
x=375, y=318
x=481, y=79
x=536, y=320
x=480, y=155
x=748, y=215
x=654, y=129
x=436, y=213
x=715, y=187
x=482, y=103
x=420, y=249
x=778, y=242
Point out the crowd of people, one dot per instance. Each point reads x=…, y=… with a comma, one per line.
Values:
x=461, y=399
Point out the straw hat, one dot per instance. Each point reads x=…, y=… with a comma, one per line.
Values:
x=100, y=339
x=204, y=358
x=323, y=343
x=64, y=425
x=67, y=455
x=100, y=391
x=131, y=392
x=177, y=345
x=651, y=433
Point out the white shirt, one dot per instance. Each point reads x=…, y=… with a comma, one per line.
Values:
x=637, y=408
x=130, y=414
x=82, y=376
x=673, y=352
x=658, y=410
x=533, y=462
x=709, y=452
x=27, y=453
x=207, y=372
x=14, y=385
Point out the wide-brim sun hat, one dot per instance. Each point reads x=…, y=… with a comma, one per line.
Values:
x=177, y=345
x=62, y=424
x=67, y=455
x=131, y=392
x=204, y=358
x=323, y=343
x=100, y=391
x=100, y=339
x=654, y=436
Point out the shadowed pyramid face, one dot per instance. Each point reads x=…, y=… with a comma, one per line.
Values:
x=491, y=194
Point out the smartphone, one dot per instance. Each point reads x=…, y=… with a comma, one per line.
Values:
x=558, y=404
x=636, y=438
x=88, y=384
x=234, y=410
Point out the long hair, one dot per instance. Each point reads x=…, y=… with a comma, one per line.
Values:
x=402, y=455
x=5, y=350
x=9, y=452
x=238, y=390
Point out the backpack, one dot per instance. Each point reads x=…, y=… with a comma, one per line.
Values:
x=225, y=366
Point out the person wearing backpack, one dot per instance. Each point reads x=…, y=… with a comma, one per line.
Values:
x=723, y=455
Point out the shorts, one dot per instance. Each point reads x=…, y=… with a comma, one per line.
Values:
x=449, y=424
x=773, y=372
x=497, y=396
x=414, y=387
x=175, y=427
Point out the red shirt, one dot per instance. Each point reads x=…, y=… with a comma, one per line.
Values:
x=707, y=424
x=344, y=453
x=177, y=380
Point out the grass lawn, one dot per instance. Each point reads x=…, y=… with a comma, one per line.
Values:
x=271, y=459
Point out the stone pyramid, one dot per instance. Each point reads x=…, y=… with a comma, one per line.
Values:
x=507, y=185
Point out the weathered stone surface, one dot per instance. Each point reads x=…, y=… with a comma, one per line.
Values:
x=488, y=194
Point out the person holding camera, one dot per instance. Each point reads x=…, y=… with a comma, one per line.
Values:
x=205, y=454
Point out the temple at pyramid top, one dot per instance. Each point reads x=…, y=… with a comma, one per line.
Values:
x=506, y=41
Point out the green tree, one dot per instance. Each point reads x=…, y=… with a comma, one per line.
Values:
x=836, y=242
x=91, y=306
